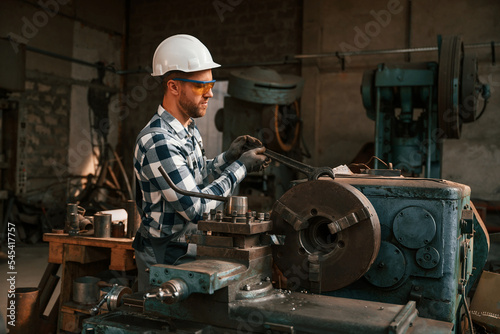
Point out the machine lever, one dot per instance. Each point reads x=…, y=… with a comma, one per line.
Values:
x=187, y=192
x=313, y=173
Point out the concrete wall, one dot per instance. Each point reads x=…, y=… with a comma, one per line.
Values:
x=53, y=110
x=236, y=32
x=334, y=118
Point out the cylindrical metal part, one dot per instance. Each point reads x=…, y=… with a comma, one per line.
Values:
x=102, y=225
x=26, y=311
x=173, y=291
x=86, y=224
x=114, y=299
x=117, y=215
x=133, y=219
x=118, y=230
x=238, y=204
x=86, y=290
x=74, y=228
x=71, y=208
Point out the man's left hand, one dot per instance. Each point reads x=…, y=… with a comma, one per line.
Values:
x=241, y=145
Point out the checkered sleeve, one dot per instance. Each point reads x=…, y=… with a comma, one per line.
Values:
x=217, y=165
x=170, y=155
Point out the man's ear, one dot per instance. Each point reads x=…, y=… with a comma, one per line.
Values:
x=173, y=87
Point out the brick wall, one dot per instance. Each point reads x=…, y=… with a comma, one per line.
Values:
x=43, y=136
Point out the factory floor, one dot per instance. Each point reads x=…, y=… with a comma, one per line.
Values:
x=30, y=264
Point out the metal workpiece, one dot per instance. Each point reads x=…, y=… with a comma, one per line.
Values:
x=237, y=204
x=343, y=257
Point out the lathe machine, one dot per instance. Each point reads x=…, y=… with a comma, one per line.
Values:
x=348, y=253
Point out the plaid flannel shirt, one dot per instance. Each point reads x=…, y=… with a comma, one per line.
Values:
x=180, y=151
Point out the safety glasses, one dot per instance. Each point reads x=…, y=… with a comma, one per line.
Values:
x=199, y=87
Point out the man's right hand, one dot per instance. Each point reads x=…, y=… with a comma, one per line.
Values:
x=254, y=160
x=241, y=145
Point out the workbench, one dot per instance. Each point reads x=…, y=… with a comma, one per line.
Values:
x=84, y=256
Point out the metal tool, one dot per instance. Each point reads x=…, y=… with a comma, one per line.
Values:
x=313, y=173
x=234, y=203
x=187, y=192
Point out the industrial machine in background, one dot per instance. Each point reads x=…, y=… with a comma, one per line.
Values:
x=264, y=104
x=356, y=253
x=416, y=106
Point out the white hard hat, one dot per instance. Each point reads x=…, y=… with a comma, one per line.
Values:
x=181, y=53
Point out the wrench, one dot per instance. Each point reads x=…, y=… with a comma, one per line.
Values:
x=313, y=173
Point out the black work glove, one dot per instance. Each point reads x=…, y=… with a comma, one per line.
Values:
x=254, y=160
x=239, y=146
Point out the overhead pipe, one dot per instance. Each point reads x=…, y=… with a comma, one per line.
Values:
x=288, y=59
x=387, y=51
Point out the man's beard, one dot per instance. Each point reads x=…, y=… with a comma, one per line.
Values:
x=190, y=108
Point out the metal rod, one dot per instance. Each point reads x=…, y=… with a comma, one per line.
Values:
x=287, y=60
x=408, y=42
x=387, y=51
x=187, y=192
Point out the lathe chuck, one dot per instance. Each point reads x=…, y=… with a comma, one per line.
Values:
x=329, y=232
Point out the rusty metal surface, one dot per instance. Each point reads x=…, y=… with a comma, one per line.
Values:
x=310, y=252
x=283, y=312
x=244, y=255
x=305, y=313
x=433, y=270
x=470, y=89
x=451, y=53
x=26, y=309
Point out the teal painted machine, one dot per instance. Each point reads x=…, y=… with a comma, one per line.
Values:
x=359, y=253
x=416, y=106
x=433, y=245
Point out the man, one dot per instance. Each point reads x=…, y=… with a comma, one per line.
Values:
x=171, y=140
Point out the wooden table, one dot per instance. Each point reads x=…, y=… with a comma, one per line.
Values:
x=84, y=256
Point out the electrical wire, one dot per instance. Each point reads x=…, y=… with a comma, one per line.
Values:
x=388, y=166
x=467, y=312
x=482, y=111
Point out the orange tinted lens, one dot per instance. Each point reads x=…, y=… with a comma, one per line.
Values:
x=202, y=89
